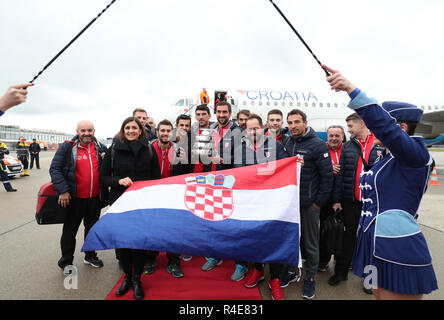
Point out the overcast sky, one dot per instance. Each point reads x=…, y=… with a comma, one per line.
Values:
x=149, y=53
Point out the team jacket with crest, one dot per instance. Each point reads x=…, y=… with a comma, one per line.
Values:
x=392, y=189
x=65, y=175
x=317, y=172
x=270, y=150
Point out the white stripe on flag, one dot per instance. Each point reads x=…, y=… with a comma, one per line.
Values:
x=273, y=204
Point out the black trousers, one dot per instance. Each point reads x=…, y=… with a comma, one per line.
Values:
x=132, y=262
x=87, y=210
x=173, y=258
x=37, y=162
x=351, y=211
x=324, y=255
x=241, y=262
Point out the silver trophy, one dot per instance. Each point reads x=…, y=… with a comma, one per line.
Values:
x=204, y=144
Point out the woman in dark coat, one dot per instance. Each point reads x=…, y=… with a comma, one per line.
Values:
x=131, y=158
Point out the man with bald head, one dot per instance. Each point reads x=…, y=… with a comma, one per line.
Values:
x=75, y=175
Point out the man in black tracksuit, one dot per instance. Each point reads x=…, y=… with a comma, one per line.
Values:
x=315, y=189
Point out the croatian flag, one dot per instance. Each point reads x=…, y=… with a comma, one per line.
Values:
x=249, y=213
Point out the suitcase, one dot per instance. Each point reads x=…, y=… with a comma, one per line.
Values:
x=48, y=210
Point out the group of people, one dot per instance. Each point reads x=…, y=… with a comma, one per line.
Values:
x=23, y=152
x=365, y=178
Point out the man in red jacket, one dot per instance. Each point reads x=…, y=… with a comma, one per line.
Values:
x=75, y=175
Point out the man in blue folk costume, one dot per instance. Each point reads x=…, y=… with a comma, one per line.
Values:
x=391, y=249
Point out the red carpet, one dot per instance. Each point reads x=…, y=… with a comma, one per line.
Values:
x=195, y=285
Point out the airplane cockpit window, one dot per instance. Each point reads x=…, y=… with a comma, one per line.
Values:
x=181, y=102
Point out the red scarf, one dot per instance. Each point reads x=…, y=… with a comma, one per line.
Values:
x=278, y=138
x=366, y=147
x=335, y=155
x=164, y=160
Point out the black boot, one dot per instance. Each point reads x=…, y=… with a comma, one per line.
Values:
x=139, y=294
x=125, y=286
x=337, y=278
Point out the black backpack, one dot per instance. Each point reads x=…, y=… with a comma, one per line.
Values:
x=332, y=233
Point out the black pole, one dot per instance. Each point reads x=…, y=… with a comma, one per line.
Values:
x=71, y=42
x=299, y=36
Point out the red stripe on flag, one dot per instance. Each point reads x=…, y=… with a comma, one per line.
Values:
x=272, y=175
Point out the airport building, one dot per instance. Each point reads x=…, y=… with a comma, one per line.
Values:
x=10, y=134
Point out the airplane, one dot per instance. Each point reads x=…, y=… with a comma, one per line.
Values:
x=321, y=112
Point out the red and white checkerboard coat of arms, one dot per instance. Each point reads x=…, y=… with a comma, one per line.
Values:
x=210, y=197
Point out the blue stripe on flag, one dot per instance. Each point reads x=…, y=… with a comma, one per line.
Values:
x=180, y=231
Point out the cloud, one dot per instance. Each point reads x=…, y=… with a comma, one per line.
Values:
x=150, y=53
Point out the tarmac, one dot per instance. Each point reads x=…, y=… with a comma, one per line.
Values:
x=30, y=252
